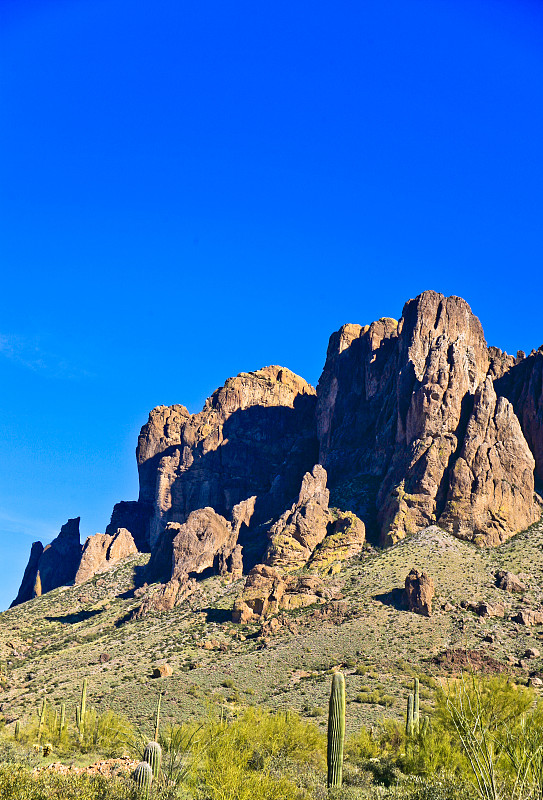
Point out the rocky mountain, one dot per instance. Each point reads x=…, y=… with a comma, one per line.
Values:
x=413, y=423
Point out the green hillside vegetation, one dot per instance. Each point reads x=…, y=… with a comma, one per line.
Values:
x=255, y=702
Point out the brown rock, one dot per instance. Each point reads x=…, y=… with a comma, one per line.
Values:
x=254, y=438
x=532, y=652
x=528, y=617
x=102, y=551
x=162, y=671
x=491, y=486
x=523, y=385
x=394, y=403
x=509, y=582
x=345, y=540
x=165, y=597
x=534, y=681
x=484, y=609
x=134, y=516
x=298, y=531
x=262, y=594
x=26, y=590
x=200, y=542
x=419, y=591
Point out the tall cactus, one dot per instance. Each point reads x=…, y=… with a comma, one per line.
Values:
x=17, y=730
x=143, y=775
x=157, y=718
x=42, y=719
x=409, y=725
x=81, y=712
x=153, y=756
x=336, y=730
x=416, y=715
x=62, y=718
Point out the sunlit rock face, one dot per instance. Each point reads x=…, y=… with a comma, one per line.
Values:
x=403, y=429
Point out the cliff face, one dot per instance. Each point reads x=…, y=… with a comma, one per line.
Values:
x=404, y=432
x=255, y=437
x=413, y=423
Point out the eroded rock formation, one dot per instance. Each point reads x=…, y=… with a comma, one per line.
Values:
x=419, y=592
x=102, y=551
x=255, y=437
x=415, y=422
x=57, y=562
x=401, y=425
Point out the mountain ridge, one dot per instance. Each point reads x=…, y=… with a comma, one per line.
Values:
x=415, y=422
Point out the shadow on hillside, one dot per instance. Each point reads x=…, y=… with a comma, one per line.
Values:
x=218, y=615
x=71, y=619
x=395, y=598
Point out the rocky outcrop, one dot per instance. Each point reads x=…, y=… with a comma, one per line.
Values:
x=491, y=485
x=134, y=516
x=344, y=540
x=255, y=437
x=26, y=589
x=204, y=541
x=300, y=529
x=419, y=592
x=57, y=562
x=509, y=582
x=102, y=551
x=267, y=592
x=523, y=386
x=310, y=534
x=400, y=414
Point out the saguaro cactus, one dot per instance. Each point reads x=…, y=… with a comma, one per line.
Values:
x=416, y=715
x=336, y=730
x=143, y=775
x=62, y=718
x=81, y=711
x=409, y=725
x=153, y=756
x=157, y=718
x=42, y=719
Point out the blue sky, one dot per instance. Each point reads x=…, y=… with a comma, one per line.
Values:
x=189, y=190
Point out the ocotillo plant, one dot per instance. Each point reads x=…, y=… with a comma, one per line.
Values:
x=336, y=730
x=409, y=725
x=81, y=711
x=42, y=719
x=416, y=716
x=157, y=718
x=143, y=775
x=153, y=755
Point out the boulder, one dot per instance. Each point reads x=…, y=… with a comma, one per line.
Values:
x=419, y=592
x=509, y=582
x=102, y=551
x=162, y=671
x=528, y=617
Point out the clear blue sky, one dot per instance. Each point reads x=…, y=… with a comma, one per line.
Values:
x=189, y=190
